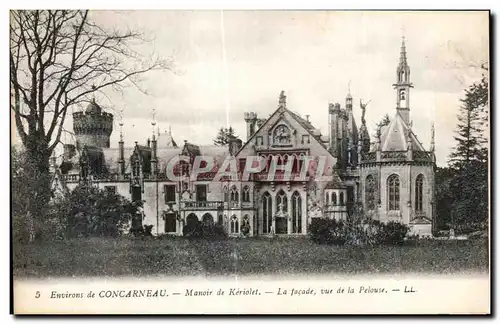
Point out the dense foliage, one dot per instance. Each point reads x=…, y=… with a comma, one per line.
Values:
x=224, y=135
x=90, y=211
x=468, y=182
x=361, y=232
x=204, y=230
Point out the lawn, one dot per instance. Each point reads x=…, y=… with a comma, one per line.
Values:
x=177, y=256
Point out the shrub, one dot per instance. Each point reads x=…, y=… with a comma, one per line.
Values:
x=204, y=230
x=90, y=211
x=393, y=233
x=328, y=231
x=358, y=232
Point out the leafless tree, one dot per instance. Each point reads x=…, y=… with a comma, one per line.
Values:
x=59, y=59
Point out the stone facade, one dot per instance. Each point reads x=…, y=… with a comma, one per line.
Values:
x=341, y=175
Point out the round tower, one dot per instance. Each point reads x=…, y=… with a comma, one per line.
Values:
x=92, y=127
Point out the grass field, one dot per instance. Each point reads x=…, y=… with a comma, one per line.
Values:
x=279, y=256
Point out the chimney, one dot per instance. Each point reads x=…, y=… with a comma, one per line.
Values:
x=307, y=118
x=251, y=121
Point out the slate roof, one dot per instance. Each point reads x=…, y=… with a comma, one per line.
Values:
x=166, y=140
x=335, y=182
x=395, y=137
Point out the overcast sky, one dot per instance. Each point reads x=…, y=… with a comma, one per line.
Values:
x=312, y=55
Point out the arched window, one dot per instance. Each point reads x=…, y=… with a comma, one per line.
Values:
x=393, y=192
x=235, y=198
x=267, y=212
x=246, y=194
x=402, y=95
x=296, y=213
x=419, y=190
x=341, y=198
x=235, y=229
x=327, y=198
x=281, y=201
x=226, y=194
x=334, y=198
x=370, y=192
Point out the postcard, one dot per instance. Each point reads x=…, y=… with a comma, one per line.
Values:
x=250, y=162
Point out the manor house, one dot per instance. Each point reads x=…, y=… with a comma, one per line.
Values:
x=387, y=178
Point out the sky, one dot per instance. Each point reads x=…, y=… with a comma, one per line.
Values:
x=227, y=63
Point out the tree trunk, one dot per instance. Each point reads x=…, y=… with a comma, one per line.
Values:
x=38, y=182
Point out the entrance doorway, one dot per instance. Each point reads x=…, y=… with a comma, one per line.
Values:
x=281, y=225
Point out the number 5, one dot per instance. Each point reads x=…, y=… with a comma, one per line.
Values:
x=37, y=294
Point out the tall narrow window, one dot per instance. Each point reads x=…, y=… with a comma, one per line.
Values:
x=267, y=210
x=246, y=194
x=296, y=213
x=281, y=201
x=235, y=197
x=370, y=192
x=393, y=192
x=334, y=198
x=342, y=199
x=169, y=191
x=235, y=229
x=226, y=194
x=419, y=190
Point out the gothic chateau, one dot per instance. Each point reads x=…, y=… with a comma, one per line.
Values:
x=387, y=178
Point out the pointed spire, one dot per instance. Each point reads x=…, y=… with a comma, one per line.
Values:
x=349, y=90
x=432, y=138
x=402, y=55
x=121, y=125
x=153, y=122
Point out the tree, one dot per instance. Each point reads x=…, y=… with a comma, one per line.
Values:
x=469, y=159
x=224, y=135
x=24, y=227
x=444, y=197
x=386, y=120
x=90, y=211
x=58, y=59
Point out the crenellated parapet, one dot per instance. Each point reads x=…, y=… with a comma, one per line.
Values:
x=92, y=127
x=92, y=124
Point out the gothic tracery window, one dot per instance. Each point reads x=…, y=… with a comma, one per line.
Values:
x=281, y=201
x=267, y=210
x=246, y=194
x=419, y=186
x=234, y=225
x=234, y=195
x=370, y=192
x=296, y=213
x=393, y=192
